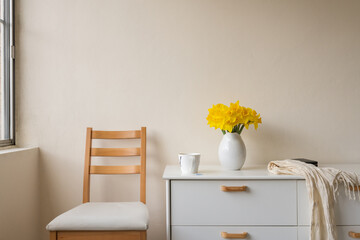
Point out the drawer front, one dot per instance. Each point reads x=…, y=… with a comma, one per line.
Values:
x=344, y=208
x=214, y=232
x=204, y=203
x=343, y=232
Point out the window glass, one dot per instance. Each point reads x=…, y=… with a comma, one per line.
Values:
x=6, y=68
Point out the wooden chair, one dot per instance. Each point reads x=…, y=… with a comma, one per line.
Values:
x=109, y=220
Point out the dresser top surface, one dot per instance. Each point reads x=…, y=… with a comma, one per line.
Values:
x=213, y=172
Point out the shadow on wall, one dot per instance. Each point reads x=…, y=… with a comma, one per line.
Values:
x=287, y=142
x=155, y=185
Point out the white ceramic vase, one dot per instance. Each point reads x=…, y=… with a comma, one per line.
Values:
x=232, y=151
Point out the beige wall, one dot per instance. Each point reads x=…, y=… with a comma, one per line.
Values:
x=122, y=64
x=19, y=194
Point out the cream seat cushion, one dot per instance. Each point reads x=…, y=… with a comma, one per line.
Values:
x=103, y=216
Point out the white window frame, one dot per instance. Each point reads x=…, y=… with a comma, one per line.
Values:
x=9, y=61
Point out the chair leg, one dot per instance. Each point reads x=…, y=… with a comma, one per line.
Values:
x=53, y=235
x=143, y=235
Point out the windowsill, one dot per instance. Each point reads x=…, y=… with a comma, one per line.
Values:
x=13, y=149
x=8, y=147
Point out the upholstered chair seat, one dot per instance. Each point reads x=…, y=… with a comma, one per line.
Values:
x=103, y=216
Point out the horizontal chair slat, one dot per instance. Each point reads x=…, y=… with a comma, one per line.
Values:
x=132, y=169
x=115, y=152
x=116, y=134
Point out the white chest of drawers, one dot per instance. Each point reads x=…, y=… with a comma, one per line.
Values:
x=206, y=206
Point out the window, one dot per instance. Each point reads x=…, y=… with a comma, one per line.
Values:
x=6, y=73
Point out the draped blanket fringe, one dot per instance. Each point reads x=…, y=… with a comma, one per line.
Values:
x=322, y=185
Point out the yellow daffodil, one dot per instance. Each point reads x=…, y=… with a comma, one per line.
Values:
x=233, y=118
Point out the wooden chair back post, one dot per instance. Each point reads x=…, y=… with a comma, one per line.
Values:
x=143, y=166
x=115, y=152
x=88, y=144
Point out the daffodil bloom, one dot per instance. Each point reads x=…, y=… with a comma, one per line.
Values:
x=233, y=118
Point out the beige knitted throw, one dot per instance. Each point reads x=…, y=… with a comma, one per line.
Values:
x=322, y=186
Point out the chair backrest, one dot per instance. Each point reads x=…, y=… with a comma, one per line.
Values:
x=115, y=152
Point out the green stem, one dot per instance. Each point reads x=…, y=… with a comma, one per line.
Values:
x=223, y=131
x=235, y=129
x=242, y=127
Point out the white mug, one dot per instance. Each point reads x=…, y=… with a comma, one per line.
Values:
x=189, y=162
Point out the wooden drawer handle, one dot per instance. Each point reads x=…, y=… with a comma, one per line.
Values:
x=354, y=235
x=356, y=188
x=234, y=235
x=233, y=188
